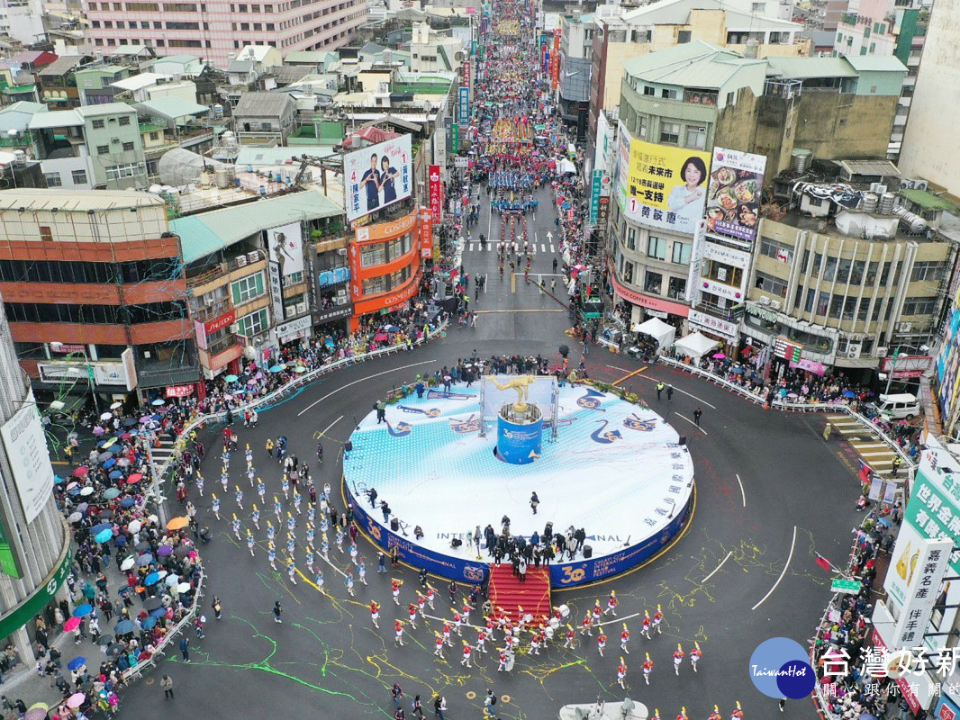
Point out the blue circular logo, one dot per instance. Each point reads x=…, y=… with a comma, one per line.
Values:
x=780, y=668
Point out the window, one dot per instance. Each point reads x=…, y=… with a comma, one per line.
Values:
x=776, y=250
x=683, y=36
x=155, y=136
x=696, y=137
x=758, y=8
x=631, y=238
x=641, y=126
x=670, y=133
x=53, y=179
x=657, y=247
x=98, y=124
x=647, y=90
x=628, y=272
x=125, y=120
x=247, y=289
x=103, y=149
x=46, y=233
x=371, y=255
x=914, y=307
x=928, y=270
x=254, y=323
x=677, y=288
x=653, y=283
x=79, y=177
x=127, y=146
x=116, y=172
x=681, y=253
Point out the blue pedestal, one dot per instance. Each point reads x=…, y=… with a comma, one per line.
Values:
x=520, y=443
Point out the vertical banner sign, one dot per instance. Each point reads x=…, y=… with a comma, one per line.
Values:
x=595, y=188
x=555, y=60
x=603, y=213
x=436, y=198
x=467, y=79
x=356, y=286
x=546, y=60
x=696, y=259
x=456, y=137
x=736, y=181
x=276, y=291
x=464, y=105
x=426, y=233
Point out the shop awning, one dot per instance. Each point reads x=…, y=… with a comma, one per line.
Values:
x=695, y=345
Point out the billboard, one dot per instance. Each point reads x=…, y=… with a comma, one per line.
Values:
x=660, y=185
x=464, y=105
x=426, y=234
x=378, y=176
x=285, y=244
x=436, y=194
x=733, y=195
x=29, y=458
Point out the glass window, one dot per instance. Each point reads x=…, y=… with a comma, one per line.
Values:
x=917, y=306
x=823, y=303
x=856, y=274
x=127, y=146
x=677, y=288
x=628, y=272
x=103, y=149
x=681, y=253
x=53, y=179
x=843, y=273
x=248, y=288
x=849, y=307
x=771, y=284
x=696, y=137
x=79, y=177
x=98, y=124
x=836, y=304
x=371, y=255
x=125, y=120
x=631, y=238
x=653, y=283
x=657, y=247
x=642, y=126
x=670, y=133
x=930, y=270
x=776, y=250
x=253, y=323
x=830, y=269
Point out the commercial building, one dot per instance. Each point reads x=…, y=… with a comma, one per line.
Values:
x=217, y=29
x=35, y=556
x=576, y=62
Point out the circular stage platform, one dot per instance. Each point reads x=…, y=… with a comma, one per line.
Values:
x=613, y=468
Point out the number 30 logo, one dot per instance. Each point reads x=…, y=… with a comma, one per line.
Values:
x=572, y=575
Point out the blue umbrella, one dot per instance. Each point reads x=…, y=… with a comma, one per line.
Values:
x=57, y=479
x=123, y=627
x=101, y=527
x=277, y=368
x=159, y=612
x=110, y=463
x=120, y=540
x=111, y=493
x=148, y=623
x=849, y=394
x=126, y=502
x=73, y=491
x=103, y=536
x=82, y=610
x=144, y=560
x=77, y=662
x=152, y=579
x=114, y=474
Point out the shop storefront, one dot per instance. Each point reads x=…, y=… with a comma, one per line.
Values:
x=646, y=306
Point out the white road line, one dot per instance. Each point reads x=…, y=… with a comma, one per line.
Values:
x=717, y=568
x=356, y=382
x=692, y=423
x=543, y=248
x=782, y=572
x=323, y=432
x=655, y=380
x=742, y=493
x=624, y=370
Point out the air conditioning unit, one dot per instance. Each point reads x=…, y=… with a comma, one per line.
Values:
x=341, y=293
x=301, y=308
x=115, y=140
x=253, y=257
x=907, y=184
x=290, y=311
x=234, y=329
x=904, y=327
x=764, y=300
x=878, y=188
x=341, y=300
x=853, y=351
x=882, y=352
x=775, y=304
x=241, y=261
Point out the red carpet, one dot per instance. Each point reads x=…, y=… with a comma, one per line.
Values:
x=509, y=593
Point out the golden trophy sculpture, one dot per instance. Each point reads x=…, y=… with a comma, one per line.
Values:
x=522, y=385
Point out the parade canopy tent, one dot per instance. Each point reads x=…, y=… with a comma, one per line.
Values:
x=567, y=167
x=662, y=332
x=695, y=345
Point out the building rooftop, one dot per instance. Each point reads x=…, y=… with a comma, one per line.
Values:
x=206, y=233
x=172, y=108
x=138, y=82
x=61, y=66
x=257, y=53
x=311, y=56
x=928, y=200
x=55, y=119
x=262, y=104
x=805, y=68
x=116, y=108
x=677, y=12
x=259, y=156
x=875, y=63
x=130, y=50
x=76, y=200
x=241, y=66
x=696, y=64
x=869, y=168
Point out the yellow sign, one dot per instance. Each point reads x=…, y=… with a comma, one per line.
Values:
x=662, y=185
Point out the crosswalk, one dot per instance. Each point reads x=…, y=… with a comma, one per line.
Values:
x=492, y=246
x=878, y=455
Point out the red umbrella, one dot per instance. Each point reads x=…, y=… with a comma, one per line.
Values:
x=71, y=624
x=81, y=471
x=134, y=478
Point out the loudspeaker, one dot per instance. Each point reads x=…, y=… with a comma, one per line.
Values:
x=394, y=524
x=682, y=441
x=587, y=552
x=348, y=446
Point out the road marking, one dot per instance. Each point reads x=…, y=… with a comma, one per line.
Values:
x=655, y=380
x=363, y=379
x=513, y=283
x=323, y=433
x=740, y=482
x=519, y=310
x=630, y=375
x=543, y=248
x=717, y=568
x=692, y=423
x=623, y=370
x=782, y=572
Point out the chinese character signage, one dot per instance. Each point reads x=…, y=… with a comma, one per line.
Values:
x=595, y=187
x=661, y=186
x=378, y=176
x=455, y=133
x=466, y=74
x=555, y=60
x=426, y=233
x=733, y=202
x=934, y=507
x=436, y=194
x=464, y=105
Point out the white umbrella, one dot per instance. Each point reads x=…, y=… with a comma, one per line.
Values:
x=87, y=491
x=162, y=574
x=134, y=526
x=106, y=416
x=116, y=406
x=75, y=517
x=172, y=580
x=153, y=519
x=128, y=563
x=183, y=587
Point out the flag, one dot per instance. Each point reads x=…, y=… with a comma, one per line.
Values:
x=865, y=471
x=823, y=562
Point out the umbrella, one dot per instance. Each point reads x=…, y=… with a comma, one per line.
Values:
x=123, y=627
x=172, y=580
x=129, y=422
x=74, y=517
x=164, y=550
x=123, y=462
x=231, y=378
x=182, y=551
x=107, y=443
x=144, y=560
x=120, y=541
x=104, y=536
x=114, y=474
x=152, y=579
x=116, y=648
x=35, y=714
x=111, y=493
x=77, y=662
x=106, y=514
x=849, y=394
x=128, y=563
x=134, y=526
x=884, y=521
x=148, y=623
x=40, y=706
x=178, y=523
x=104, y=456
x=101, y=527
x=152, y=603
x=719, y=356
x=110, y=463
x=158, y=612
x=82, y=507
x=71, y=624
x=98, y=431
x=58, y=480
x=76, y=700
x=134, y=478
x=87, y=491
x=106, y=640
x=158, y=402
x=116, y=406
x=82, y=611
x=146, y=418
x=276, y=368
x=299, y=369
x=126, y=502
x=127, y=435
x=143, y=546
x=81, y=471
x=183, y=587
x=106, y=416
x=251, y=381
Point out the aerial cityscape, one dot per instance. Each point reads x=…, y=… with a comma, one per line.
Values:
x=514, y=359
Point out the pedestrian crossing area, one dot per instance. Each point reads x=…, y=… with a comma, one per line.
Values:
x=492, y=247
x=875, y=453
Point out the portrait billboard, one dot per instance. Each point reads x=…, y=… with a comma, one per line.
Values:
x=378, y=176
x=662, y=186
x=285, y=244
x=733, y=195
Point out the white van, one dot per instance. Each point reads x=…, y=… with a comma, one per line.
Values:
x=895, y=407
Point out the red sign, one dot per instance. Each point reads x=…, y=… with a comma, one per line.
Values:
x=945, y=713
x=436, y=194
x=179, y=391
x=354, y=258
x=902, y=682
x=649, y=302
x=211, y=326
x=907, y=366
x=555, y=60
x=426, y=234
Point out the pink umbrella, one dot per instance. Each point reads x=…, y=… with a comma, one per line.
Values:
x=719, y=356
x=72, y=485
x=81, y=471
x=71, y=624
x=76, y=700
x=134, y=478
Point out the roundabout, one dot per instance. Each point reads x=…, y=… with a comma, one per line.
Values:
x=441, y=465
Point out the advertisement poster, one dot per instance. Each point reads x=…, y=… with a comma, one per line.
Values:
x=286, y=247
x=662, y=186
x=29, y=457
x=436, y=196
x=733, y=200
x=426, y=233
x=378, y=176
x=464, y=105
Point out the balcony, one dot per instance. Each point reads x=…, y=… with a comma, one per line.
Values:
x=225, y=268
x=156, y=374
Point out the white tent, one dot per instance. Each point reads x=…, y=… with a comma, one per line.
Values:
x=662, y=332
x=695, y=345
